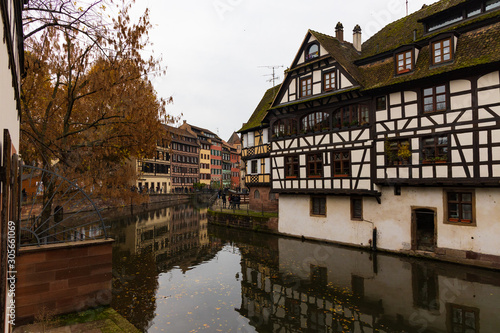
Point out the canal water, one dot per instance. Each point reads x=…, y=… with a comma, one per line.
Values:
x=172, y=272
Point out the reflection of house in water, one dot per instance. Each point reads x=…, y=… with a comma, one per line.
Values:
x=167, y=233
x=313, y=287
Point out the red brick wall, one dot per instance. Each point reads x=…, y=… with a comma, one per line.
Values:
x=264, y=202
x=63, y=278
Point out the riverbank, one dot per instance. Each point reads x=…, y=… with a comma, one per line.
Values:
x=99, y=320
x=244, y=219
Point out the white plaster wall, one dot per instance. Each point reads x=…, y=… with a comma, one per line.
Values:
x=267, y=166
x=244, y=138
x=265, y=135
x=482, y=238
x=344, y=82
x=393, y=220
x=251, y=139
x=8, y=112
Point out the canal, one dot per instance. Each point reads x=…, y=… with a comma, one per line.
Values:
x=172, y=272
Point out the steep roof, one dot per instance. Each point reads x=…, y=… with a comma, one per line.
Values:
x=474, y=48
x=178, y=131
x=343, y=52
x=401, y=32
x=260, y=112
x=234, y=139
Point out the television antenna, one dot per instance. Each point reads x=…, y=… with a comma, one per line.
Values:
x=274, y=77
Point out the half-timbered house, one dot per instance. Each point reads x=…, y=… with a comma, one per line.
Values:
x=395, y=142
x=255, y=155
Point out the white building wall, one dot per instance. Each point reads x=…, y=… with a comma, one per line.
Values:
x=393, y=220
x=8, y=112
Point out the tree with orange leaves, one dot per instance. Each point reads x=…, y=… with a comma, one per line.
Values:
x=88, y=104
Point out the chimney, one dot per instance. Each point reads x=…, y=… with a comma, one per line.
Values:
x=339, y=32
x=356, y=38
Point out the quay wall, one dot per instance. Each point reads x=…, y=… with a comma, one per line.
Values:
x=63, y=278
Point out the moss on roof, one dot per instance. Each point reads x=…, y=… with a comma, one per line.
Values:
x=260, y=112
x=474, y=48
x=400, y=32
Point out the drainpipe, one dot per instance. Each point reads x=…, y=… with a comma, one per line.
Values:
x=373, y=241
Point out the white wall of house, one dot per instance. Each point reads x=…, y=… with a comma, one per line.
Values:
x=8, y=111
x=393, y=219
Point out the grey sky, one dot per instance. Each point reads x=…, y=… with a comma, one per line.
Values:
x=214, y=49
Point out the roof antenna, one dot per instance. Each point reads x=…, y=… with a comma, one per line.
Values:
x=274, y=76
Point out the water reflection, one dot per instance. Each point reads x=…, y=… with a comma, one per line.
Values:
x=172, y=272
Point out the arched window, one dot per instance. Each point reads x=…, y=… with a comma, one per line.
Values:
x=351, y=116
x=256, y=194
x=284, y=127
x=312, y=52
x=315, y=122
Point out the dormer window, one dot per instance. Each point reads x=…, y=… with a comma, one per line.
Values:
x=312, y=52
x=442, y=51
x=404, y=62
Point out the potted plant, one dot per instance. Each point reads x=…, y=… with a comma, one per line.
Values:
x=389, y=154
x=404, y=152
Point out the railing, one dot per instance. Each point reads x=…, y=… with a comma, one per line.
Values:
x=56, y=210
x=256, y=150
x=257, y=179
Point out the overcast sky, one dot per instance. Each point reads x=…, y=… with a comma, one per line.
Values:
x=218, y=53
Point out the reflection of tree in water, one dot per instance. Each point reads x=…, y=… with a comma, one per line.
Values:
x=135, y=281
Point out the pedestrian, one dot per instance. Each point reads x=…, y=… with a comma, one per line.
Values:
x=238, y=199
x=224, y=200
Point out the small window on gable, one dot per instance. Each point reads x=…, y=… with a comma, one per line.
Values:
x=404, y=62
x=312, y=52
x=329, y=82
x=442, y=51
x=380, y=103
x=306, y=87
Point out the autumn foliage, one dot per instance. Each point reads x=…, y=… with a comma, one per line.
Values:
x=89, y=107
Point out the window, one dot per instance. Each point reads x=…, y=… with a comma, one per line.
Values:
x=404, y=62
x=329, y=81
x=291, y=166
x=341, y=163
x=315, y=122
x=397, y=151
x=380, y=103
x=462, y=319
x=441, y=51
x=318, y=205
x=306, y=87
x=285, y=127
x=312, y=52
x=256, y=194
x=435, y=99
x=315, y=165
x=356, y=208
x=351, y=115
x=435, y=149
x=459, y=206
x=254, y=167
x=490, y=4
